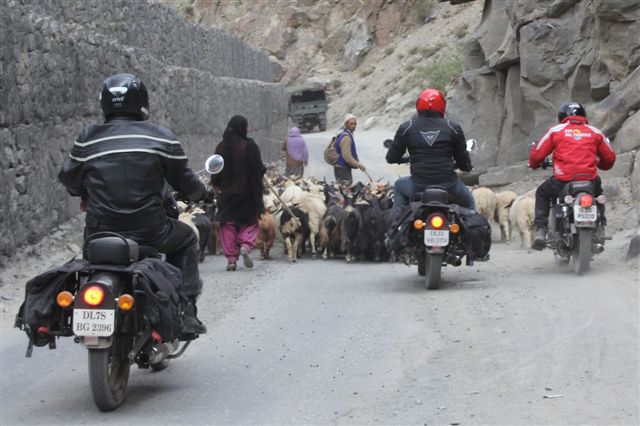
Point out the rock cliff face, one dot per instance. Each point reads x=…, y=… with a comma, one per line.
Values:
x=303, y=35
x=54, y=56
x=520, y=62
x=527, y=58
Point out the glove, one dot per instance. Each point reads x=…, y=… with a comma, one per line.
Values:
x=209, y=196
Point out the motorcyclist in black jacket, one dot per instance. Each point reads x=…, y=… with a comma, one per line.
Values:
x=120, y=169
x=436, y=146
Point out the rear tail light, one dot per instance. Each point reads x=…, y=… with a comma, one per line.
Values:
x=64, y=299
x=586, y=200
x=436, y=221
x=93, y=295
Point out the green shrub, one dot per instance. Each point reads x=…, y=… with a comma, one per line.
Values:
x=439, y=73
x=421, y=8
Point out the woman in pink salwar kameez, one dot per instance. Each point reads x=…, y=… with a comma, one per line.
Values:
x=240, y=189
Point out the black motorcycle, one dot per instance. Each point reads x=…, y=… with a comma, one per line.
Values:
x=576, y=227
x=120, y=302
x=433, y=233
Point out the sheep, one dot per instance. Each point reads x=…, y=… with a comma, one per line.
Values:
x=266, y=235
x=485, y=201
x=521, y=217
x=504, y=201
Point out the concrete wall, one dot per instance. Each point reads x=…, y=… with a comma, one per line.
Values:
x=53, y=58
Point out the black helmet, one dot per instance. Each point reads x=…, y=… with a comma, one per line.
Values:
x=572, y=108
x=124, y=94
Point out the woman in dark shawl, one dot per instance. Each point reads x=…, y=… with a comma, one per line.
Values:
x=240, y=191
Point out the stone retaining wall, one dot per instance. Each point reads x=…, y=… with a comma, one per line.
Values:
x=53, y=58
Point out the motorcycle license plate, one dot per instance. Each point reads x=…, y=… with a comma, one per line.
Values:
x=434, y=237
x=581, y=214
x=93, y=322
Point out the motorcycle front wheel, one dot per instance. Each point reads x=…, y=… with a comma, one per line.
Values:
x=582, y=251
x=109, y=373
x=433, y=270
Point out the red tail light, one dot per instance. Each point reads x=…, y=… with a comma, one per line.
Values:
x=436, y=221
x=93, y=295
x=586, y=200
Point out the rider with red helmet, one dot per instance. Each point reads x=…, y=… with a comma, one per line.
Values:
x=436, y=147
x=579, y=150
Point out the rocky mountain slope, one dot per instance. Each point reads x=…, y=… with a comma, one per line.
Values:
x=506, y=66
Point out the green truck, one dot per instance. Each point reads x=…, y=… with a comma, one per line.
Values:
x=308, y=108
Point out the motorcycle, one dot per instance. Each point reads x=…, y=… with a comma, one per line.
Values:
x=120, y=302
x=576, y=226
x=433, y=233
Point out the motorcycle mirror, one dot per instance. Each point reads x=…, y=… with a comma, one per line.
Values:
x=387, y=143
x=214, y=164
x=471, y=144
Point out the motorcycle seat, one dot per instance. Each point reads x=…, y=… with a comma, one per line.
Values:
x=117, y=250
x=572, y=188
x=435, y=194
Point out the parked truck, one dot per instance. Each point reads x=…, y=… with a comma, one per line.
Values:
x=308, y=108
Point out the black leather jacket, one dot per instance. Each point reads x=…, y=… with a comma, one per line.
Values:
x=121, y=168
x=436, y=146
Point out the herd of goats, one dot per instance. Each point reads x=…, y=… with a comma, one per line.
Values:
x=344, y=220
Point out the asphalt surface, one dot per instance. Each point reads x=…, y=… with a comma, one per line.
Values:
x=516, y=340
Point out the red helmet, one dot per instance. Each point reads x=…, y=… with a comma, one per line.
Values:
x=431, y=100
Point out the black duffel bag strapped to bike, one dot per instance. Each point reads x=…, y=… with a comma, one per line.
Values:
x=476, y=232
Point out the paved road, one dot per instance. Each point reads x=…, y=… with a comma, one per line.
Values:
x=323, y=342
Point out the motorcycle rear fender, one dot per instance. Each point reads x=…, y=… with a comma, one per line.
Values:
x=96, y=342
x=436, y=250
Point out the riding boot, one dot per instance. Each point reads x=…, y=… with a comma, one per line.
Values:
x=192, y=325
x=540, y=238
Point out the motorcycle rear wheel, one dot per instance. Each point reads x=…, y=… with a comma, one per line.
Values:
x=582, y=251
x=109, y=373
x=433, y=270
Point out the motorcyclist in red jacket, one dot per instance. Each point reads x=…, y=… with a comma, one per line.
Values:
x=579, y=150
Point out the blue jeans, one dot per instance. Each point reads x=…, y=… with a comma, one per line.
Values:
x=404, y=188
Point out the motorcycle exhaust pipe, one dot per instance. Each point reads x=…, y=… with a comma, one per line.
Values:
x=158, y=353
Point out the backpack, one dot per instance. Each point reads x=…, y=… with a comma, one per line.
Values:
x=330, y=154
